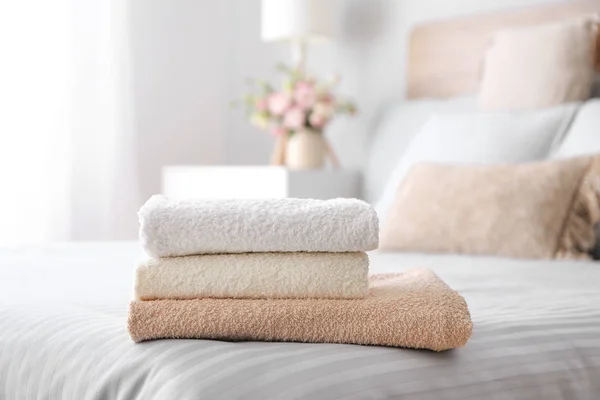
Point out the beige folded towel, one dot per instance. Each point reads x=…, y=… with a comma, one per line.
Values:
x=254, y=275
x=413, y=309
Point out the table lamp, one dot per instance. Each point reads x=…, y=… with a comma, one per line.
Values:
x=299, y=22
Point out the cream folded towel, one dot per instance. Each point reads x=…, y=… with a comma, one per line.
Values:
x=186, y=227
x=254, y=275
x=413, y=309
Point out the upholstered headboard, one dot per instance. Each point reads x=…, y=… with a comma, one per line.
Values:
x=445, y=57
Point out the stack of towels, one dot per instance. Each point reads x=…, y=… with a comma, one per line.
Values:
x=282, y=270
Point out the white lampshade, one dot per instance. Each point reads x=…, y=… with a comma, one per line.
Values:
x=299, y=20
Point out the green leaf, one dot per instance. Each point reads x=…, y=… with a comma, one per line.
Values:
x=288, y=85
x=249, y=99
x=281, y=67
x=266, y=87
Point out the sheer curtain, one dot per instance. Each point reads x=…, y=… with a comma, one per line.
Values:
x=66, y=153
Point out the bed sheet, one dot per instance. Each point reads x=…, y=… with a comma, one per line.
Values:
x=63, y=336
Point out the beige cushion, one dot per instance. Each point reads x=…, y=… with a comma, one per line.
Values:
x=534, y=210
x=540, y=66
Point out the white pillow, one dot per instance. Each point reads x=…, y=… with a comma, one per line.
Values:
x=483, y=138
x=583, y=136
x=398, y=125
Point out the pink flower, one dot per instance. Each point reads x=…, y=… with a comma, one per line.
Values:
x=278, y=103
x=327, y=98
x=278, y=131
x=317, y=120
x=305, y=94
x=294, y=118
x=261, y=104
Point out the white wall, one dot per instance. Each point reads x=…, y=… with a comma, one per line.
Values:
x=179, y=51
x=247, y=57
x=190, y=58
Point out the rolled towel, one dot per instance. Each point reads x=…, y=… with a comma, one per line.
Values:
x=254, y=275
x=413, y=309
x=185, y=227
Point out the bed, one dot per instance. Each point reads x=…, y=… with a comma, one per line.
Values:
x=536, y=335
x=63, y=311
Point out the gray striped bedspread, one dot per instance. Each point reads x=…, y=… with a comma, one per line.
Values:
x=63, y=336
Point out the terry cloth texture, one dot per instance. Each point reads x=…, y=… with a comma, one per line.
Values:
x=414, y=309
x=254, y=275
x=186, y=227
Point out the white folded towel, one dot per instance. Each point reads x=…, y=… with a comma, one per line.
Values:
x=185, y=227
x=254, y=275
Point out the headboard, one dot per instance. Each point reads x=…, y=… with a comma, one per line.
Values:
x=445, y=57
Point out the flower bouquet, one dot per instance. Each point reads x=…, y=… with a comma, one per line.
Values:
x=297, y=115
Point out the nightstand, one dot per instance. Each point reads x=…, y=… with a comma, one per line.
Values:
x=235, y=182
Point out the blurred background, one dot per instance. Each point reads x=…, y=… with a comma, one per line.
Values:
x=97, y=97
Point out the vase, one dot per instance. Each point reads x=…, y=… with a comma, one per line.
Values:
x=278, y=154
x=306, y=149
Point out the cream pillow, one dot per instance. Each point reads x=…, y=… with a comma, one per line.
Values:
x=535, y=210
x=540, y=66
